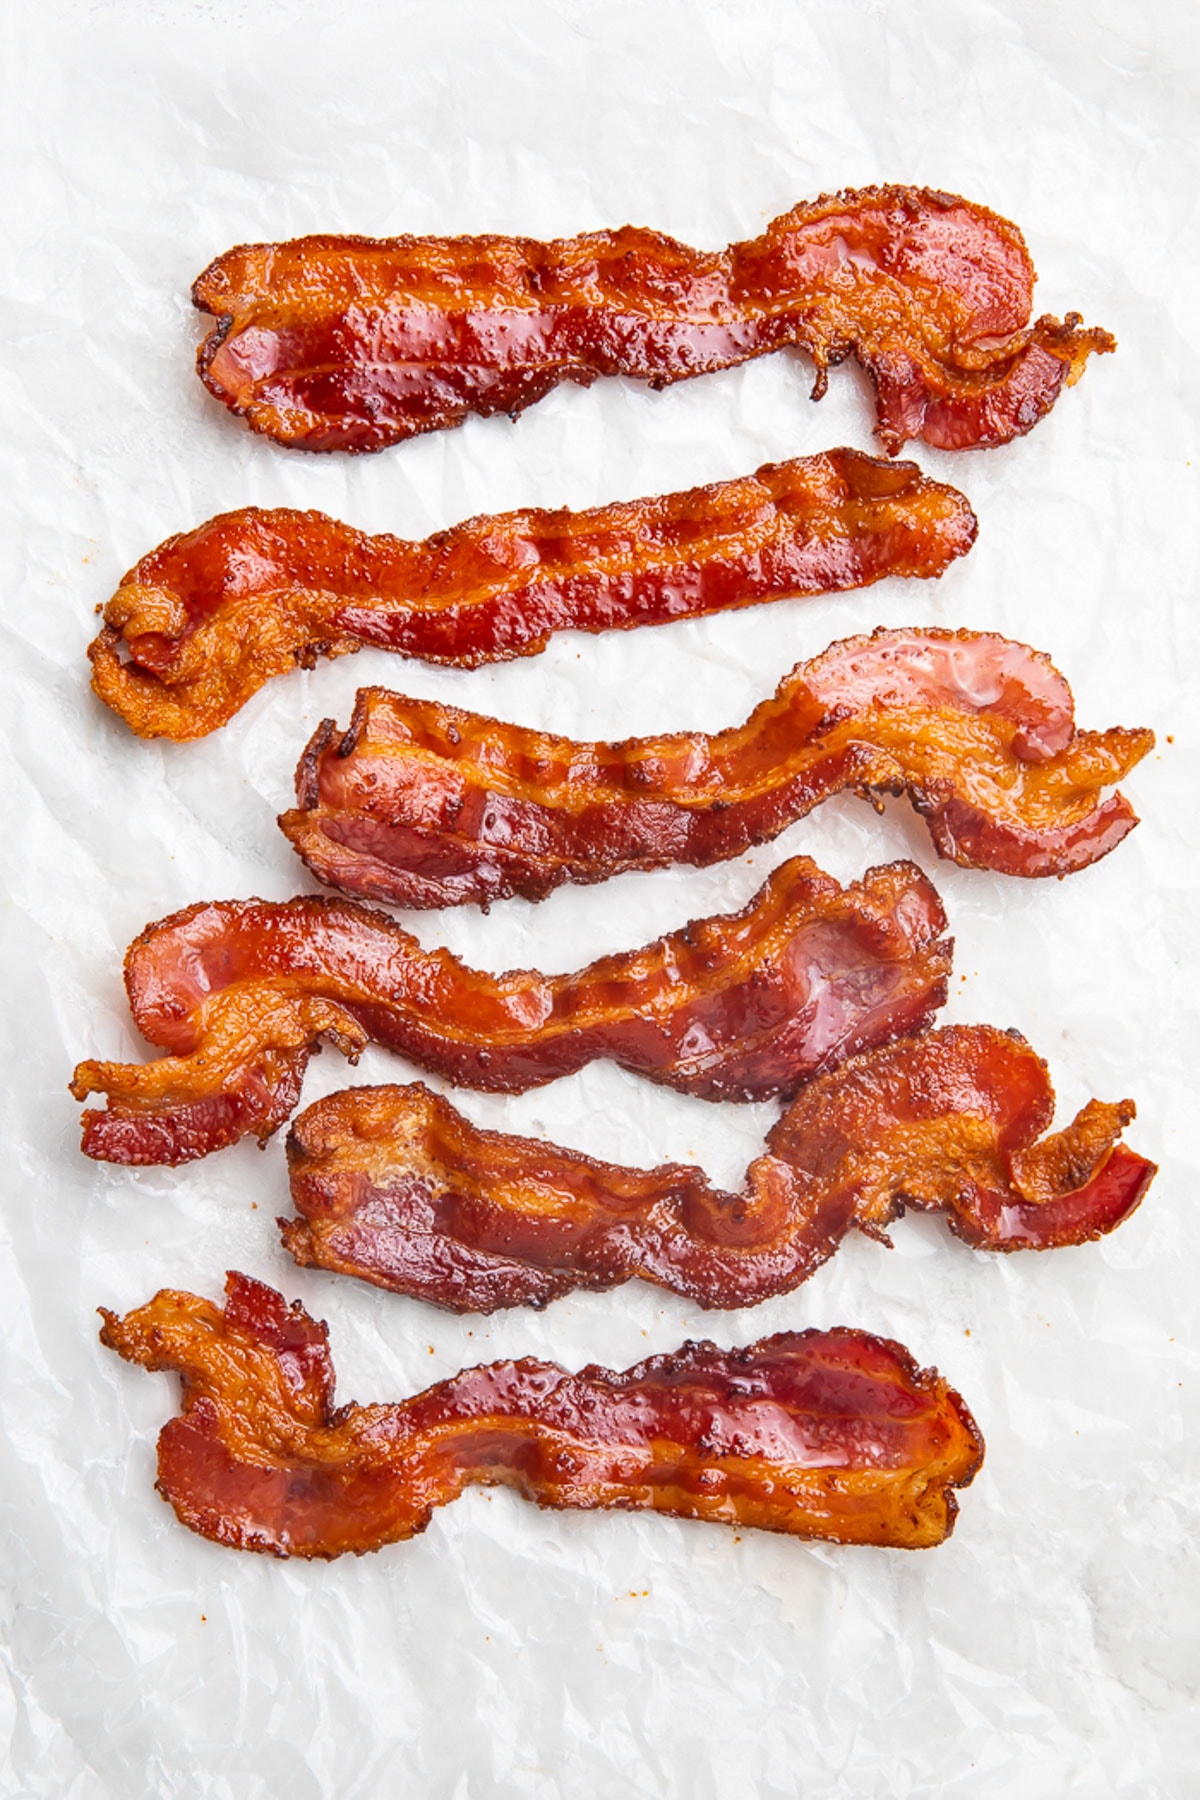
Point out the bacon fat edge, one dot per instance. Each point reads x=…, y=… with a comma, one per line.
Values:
x=422, y=804
x=200, y=624
x=343, y=343
x=822, y=1434
x=395, y=1187
x=736, y=1007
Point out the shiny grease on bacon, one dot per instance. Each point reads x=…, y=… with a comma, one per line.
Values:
x=345, y=343
x=200, y=624
x=422, y=804
x=741, y=1006
x=395, y=1187
x=822, y=1434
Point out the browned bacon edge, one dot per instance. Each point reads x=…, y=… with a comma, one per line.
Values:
x=206, y=619
x=345, y=343
x=395, y=1187
x=741, y=1006
x=821, y=1434
x=421, y=804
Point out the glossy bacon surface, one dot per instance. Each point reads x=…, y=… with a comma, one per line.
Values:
x=200, y=624
x=423, y=804
x=821, y=1434
x=394, y=1186
x=736, y=1007
x=344, y=343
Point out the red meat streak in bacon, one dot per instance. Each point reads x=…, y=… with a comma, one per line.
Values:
x=344, y=343
x=422, y=804
x=821, y=1434
x=395, y=1187
x=200, y=624
x=737, y=1007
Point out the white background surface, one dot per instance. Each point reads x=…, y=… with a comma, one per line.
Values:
x=1051, y=1646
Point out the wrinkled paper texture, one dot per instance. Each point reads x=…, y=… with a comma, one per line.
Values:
x=1051, y=1646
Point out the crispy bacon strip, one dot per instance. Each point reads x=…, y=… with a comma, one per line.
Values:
x=200, y=624
x=394, y=1186
x=344, y=343
x=423, y=804
x=737, y=1007
x=822, y=1434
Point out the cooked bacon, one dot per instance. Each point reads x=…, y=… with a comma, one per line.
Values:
x=737, y=1007
x=394, y=1186
x=423, y=804
x=822, y=1434
x=344, y=343
x=200, y=624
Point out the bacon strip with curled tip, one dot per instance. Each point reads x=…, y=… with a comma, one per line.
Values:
x=821, y=1434
x=200, y=624
x=741, y=1006
x=344, y=343
x=423, y=804
x=395, y=1187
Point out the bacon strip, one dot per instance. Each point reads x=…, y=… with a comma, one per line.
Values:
x=200, y=624
x=737, y=1007
x=423, y=804
x=822, y=1434
x=395, y=1187
x=344, y=343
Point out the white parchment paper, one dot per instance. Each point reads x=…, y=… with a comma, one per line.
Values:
x=1049, y=1648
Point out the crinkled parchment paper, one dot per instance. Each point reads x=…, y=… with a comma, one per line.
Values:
x=1051, y=1647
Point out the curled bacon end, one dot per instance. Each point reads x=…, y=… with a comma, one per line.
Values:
x=741, y=1006
x=205, y=620
x=422, y=804
x=822, y=1434
x=342, y=343
x=395, y=1187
